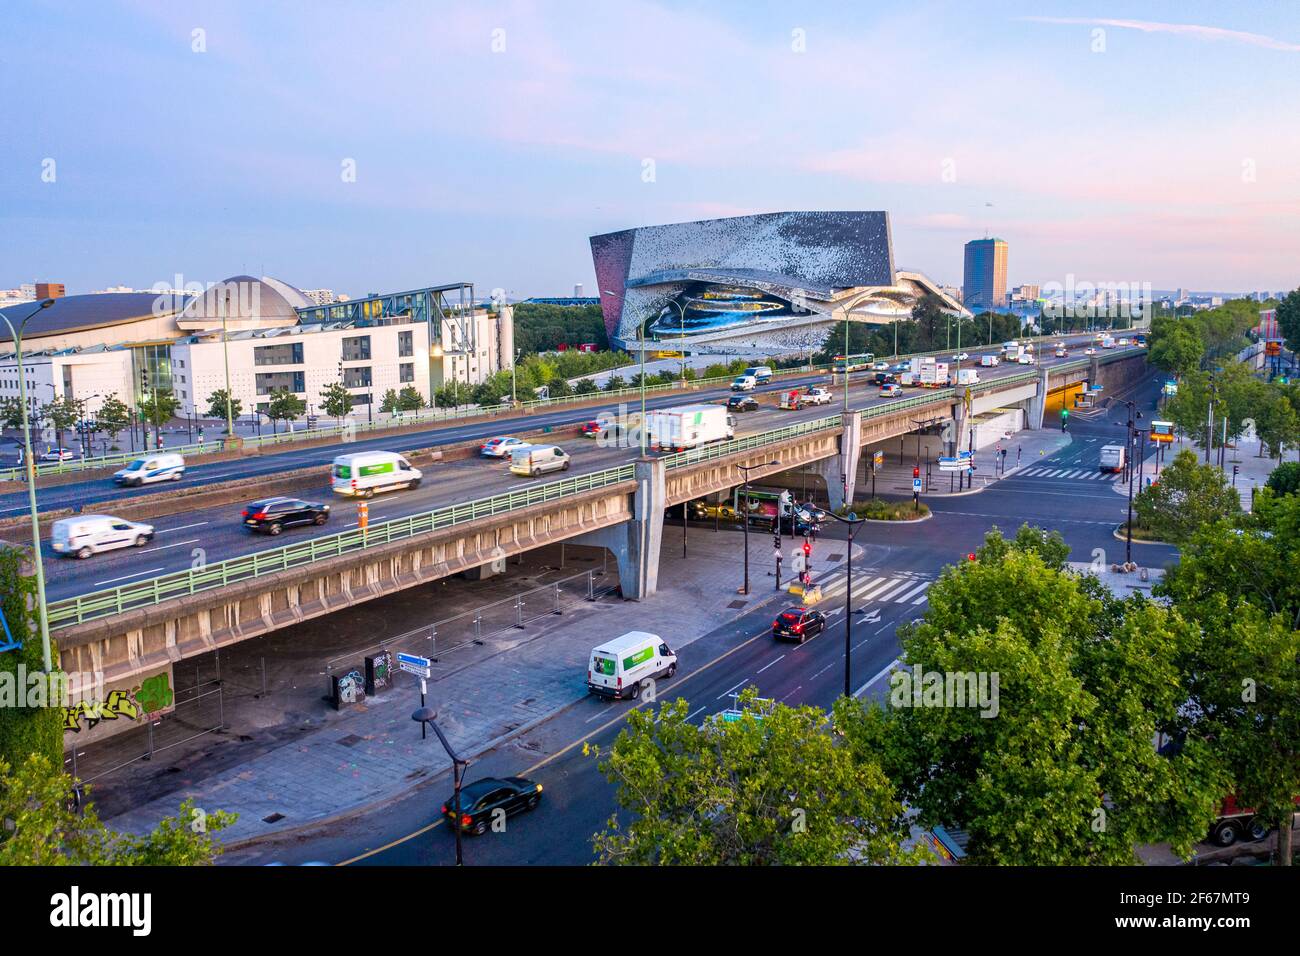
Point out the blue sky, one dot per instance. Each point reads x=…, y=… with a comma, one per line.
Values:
x=1140, y=142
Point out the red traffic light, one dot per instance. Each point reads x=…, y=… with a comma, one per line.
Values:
x=970, y=556
x=807, y=548
x=916, y=472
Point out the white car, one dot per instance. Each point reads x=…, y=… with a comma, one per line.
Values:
x=817, y=396
x=85, y=535
x=881, y=367
x=960, y=357
x=502, y=446
x=1089, y=351
x=58, y=454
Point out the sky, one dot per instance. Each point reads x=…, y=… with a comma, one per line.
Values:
x=384, y=146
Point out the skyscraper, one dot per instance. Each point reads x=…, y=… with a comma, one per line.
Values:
x=984, y=282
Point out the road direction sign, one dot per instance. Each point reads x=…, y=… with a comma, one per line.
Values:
x=414, y=664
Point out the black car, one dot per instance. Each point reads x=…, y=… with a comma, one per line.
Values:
x=480, y=800
x=798, y=525
x=273, y=515
x=742, y=403
x=798, y=624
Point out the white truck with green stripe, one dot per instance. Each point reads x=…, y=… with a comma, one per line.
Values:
x=619, y=667
x=364, y=473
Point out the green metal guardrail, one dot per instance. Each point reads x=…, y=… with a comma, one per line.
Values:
x=99, y=604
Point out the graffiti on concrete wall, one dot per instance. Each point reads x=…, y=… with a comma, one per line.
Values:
x=151, y=696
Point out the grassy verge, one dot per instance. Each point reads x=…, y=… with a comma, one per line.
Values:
x=878, y=509
x=1140, y=533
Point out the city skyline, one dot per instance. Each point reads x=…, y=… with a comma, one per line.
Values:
x=258, y=156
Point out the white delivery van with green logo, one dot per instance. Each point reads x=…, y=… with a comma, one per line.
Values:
x=618, y=667
x=364, y=473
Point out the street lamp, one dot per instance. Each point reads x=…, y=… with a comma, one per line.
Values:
x=746, y=469
x=640, y=337
x=41, y=614
x=225, y=351
x=425, y=716
x=1134, y=416
x=854, y=522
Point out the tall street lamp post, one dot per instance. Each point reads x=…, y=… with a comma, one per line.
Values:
x=746, y=469
x=640, y=337
x=854, y=522
x=29, y=459
x=425, y=717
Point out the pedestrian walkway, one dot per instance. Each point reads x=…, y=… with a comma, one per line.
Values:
x=1024, y=450
x=1071, y=474
x=873, y=587
x=371, y=753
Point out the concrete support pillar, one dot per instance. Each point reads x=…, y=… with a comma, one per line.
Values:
x=841, y=472
x=955, y=437
x=635, y=544
x=1035, y=407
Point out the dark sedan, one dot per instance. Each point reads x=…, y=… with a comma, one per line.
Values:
x=798, y=624
x=480, y=801
x=273, y=515
x=742, y=403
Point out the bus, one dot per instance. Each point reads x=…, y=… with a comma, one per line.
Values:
x=853, y=363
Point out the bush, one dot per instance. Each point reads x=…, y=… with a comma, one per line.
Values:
x=585, y=386
x=1285, y=479
x=25, y=731
x=878, y=509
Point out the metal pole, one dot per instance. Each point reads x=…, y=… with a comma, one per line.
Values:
x=42, y=615
x=848, y=617
x=745, y=525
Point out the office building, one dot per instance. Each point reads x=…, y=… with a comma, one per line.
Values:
x=984, y=278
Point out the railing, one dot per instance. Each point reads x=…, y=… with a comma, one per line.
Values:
x=99, y=604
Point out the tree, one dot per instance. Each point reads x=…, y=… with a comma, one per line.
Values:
x=114, y=416
x=614, y=383
x=777, y=786
x=335, y=401
x=559, y=387
x=11, y=412
x=284, y=406
x=24, y=730
x=391, y=403
x=1188, y=496
x=159, y=407
x=62, y=414
x=1176, y=346
x=585, y=386
x=1288, y=319
x=1285, y=479
x=447, y=396
x=409, y=399
x=217, y=406
x=1053, y=764
x=45, y=829
x=1276, y=422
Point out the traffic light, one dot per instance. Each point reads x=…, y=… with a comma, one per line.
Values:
x=807, y=548
x=916, y=472
x=970, y=556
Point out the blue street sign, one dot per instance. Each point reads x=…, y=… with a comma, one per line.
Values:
x=414, y=664
x=8, y=644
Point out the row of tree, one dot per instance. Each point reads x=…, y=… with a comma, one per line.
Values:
x=1059, y=767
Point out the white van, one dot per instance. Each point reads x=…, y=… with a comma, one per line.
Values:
x=743, y=383
x=364, y=473
x=85, y=535
x=160, y=466
x=538, y=459
x=761, y=373
x=618, y=667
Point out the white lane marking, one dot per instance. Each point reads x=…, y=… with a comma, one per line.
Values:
x=164, y=547
x=694, y=712
x=599, y=715
x=923, y=598
x=888, y=667
x=894, y=588
x=730, y=689
x=766, y=666
x=791, y=694
x=866, y=594
x=134, y=574
x=886, y=626
x=910, y=593
x=198, y=524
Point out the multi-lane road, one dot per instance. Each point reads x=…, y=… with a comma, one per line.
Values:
x=891, y=586
x=216, y=533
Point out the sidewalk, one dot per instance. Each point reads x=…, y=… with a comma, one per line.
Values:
x=1024, y=450
x=1252, y=470
x=372, y=753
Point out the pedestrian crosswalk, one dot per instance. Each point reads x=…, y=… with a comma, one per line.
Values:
x=868, y=588
x=1079, y=474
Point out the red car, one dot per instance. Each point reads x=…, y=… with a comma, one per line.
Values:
x=592, y=429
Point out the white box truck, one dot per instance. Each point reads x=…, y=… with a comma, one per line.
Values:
x=1112, y=458
x=689, y=426
x=617, y=668
x=965, y=376
x=989, y=361
x=934, y=375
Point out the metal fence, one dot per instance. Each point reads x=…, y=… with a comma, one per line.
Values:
x=148, y=592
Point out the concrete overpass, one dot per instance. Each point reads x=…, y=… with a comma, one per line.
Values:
x=140, y=628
